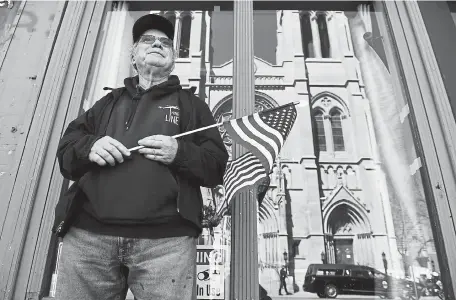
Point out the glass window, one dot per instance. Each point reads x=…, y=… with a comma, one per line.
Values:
x=329, y=272
x=203, y=44
x=361, y=273
x=8, y=13
x=440, y=21
x=361, y=200
x=339, y=272
x=337, y=132
x=321, y=137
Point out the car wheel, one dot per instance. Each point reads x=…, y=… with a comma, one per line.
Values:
x=321, y=295
x=331, y=290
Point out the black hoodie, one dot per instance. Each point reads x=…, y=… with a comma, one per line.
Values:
x=140, y=193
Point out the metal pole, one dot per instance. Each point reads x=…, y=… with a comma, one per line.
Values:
x=244, y=247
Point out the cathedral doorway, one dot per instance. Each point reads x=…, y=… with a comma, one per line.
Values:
x=344, y=251
x=348, y=235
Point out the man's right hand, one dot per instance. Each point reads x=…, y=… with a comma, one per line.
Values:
x=108, y=151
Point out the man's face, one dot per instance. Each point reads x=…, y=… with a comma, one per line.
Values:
x=151, y=53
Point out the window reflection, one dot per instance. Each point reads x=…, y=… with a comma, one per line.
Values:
x=337, y=133
x=182, y=21
x=315, y=31
x=184, y=47
x=350, y=199
x=203, y=43
x=8, y=11
x=323, y=33
x=341, y=208
x=321, y=137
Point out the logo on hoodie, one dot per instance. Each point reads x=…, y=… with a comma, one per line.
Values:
x=172, y=114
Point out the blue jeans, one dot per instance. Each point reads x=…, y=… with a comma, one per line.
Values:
x=100, y=267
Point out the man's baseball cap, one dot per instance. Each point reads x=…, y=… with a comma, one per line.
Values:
x=152, y=21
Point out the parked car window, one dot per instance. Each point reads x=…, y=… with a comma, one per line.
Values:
x=360, y=273
x=330, y=272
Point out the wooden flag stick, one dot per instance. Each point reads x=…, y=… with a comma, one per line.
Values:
x=182, y=134
x=204, y=128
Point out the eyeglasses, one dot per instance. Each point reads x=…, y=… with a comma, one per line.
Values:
x=150, y=39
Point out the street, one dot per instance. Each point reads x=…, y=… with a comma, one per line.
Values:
x=314, y=296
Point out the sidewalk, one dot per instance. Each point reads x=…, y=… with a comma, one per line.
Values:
x=305, y=295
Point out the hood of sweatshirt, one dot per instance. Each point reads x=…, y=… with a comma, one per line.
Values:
x=157, y=91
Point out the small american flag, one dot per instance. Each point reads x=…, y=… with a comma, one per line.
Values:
x=263, y=135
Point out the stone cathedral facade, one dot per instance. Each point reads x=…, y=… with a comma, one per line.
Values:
x=328, y=200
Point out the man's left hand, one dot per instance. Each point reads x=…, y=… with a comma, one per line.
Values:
x=159, y=148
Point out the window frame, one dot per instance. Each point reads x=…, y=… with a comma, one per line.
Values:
x=421, y=77
x=335, y=112
x=409, y=45
x=319, y=113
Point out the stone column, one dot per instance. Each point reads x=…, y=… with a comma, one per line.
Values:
x=344, y=31
x=207, y=49
x=333, y=38
x=244, y=247
x=295, y=28
x=195, y=33
x=177, y=32
x=315, y=33
x=280, y=37
x=196, y=49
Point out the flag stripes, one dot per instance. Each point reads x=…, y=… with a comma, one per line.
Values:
x=263, y=135
x=244, y=171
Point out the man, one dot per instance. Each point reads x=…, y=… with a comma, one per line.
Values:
x=283, y=284
x=131, y=219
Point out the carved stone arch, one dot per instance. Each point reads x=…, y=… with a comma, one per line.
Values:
x=325, y=99
x=340, y=175
x=267, y=213
x=268, y=228
x=223, y=111
x=331, y=175
x=348, y=219
x=355, y=211
x=336, y=109
x=185, y=13
x=319, y=109
x=167, y=13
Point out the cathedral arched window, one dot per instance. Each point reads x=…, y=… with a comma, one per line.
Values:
x=337, y=131
x=320, y=130
x=186, y=26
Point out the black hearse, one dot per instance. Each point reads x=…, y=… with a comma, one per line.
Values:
x=330, y=280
